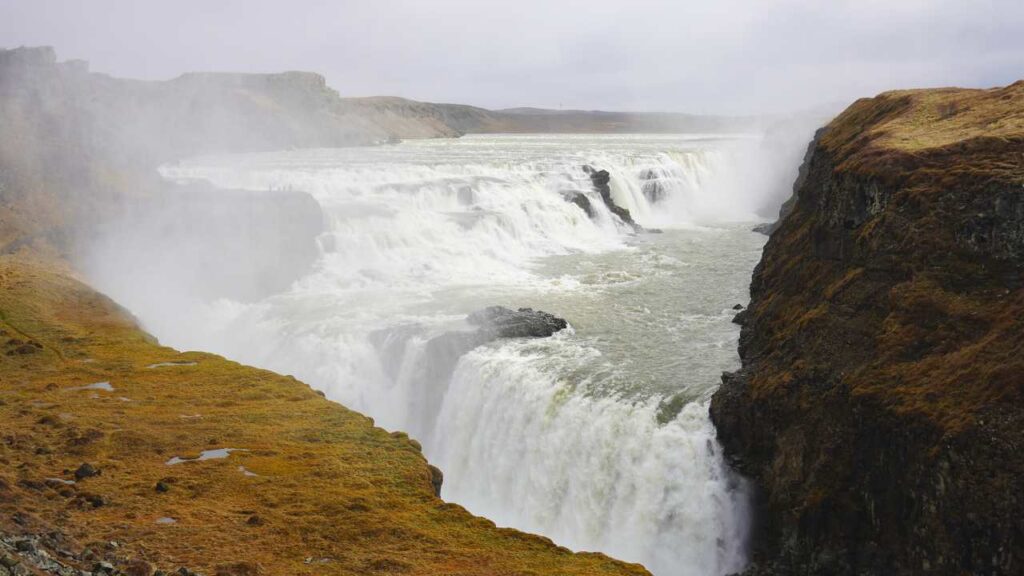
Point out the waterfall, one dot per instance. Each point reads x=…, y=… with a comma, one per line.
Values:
x=567, y=436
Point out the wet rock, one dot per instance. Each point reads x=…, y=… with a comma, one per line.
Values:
x=523, y=323
x=254, y=520
x=103, y=567
x=580, y=199
x=738, y=307
x=600, y=179
x=162, y=486
x=86, y=471
x=741, y=317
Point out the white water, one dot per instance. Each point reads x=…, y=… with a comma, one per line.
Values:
x=597, y=437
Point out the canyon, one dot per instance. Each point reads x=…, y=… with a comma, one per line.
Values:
x=877, y=410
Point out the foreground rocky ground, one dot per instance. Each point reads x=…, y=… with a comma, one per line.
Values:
x=118, y=455
x=880, y=406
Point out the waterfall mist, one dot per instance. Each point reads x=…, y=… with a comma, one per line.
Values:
x=597, y=437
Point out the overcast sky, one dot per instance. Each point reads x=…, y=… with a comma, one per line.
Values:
x=707, y=56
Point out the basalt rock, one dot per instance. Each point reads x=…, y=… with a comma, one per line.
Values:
x=580, y=199
x=491, y=323
x=600, y=179
x=880, y=403
x=501, y=322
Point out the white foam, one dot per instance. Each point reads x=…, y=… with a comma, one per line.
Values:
x=421, y=233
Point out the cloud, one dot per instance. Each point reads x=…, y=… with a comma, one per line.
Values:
x=728, y=56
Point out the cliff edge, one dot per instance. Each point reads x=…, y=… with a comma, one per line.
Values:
x=880, y=404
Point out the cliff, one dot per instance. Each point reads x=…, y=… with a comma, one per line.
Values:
x=880, y=404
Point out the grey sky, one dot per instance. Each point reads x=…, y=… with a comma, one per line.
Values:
x=704, y=56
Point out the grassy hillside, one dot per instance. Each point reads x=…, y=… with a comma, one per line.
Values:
x=313, y=488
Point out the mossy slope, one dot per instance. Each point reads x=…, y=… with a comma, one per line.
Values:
x=330, y=494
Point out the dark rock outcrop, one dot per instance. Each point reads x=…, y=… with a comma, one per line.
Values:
x=491, y=323
x=880, y=404
x=580, y=199
x=600, y=179
x=501, y=322
x=436, y=479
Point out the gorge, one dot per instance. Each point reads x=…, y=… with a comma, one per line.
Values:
x=868, y=425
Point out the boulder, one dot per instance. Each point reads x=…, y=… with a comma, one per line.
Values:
x=504, y=322
x=86, y=471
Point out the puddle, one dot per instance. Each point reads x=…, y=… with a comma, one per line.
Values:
x=123, y=399
x=190, y=416
x=61, y=481
x=206, y=455
x=105, y=386
x=166, y=520
x=246, y=472
x=164, y=364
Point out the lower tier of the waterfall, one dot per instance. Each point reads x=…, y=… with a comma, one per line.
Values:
x=597, y=437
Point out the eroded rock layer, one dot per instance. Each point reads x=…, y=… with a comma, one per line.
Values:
x=880, y=406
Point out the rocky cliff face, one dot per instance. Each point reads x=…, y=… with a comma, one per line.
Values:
x=880, y=406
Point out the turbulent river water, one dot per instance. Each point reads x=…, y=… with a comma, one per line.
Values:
x=597, y=437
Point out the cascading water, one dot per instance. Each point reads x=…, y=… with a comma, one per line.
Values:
x=598, y=436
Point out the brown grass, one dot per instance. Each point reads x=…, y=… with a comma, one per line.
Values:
x=330, y=485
